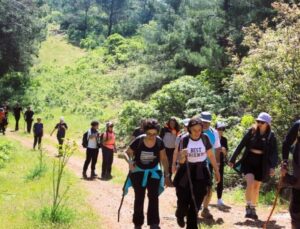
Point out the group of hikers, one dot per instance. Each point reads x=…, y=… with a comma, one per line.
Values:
x=186, y=155
x=188, y=159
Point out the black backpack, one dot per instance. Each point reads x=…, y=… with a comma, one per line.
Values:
x=85, y=140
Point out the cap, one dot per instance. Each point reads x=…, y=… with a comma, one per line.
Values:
x=264, y=117
x=220, y=125
x=206, y=116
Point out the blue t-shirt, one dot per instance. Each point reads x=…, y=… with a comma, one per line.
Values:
x=38, y=128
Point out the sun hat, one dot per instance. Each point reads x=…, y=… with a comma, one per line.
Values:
x=206, y=116
x=264, y=117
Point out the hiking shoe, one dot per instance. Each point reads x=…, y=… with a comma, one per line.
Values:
x=248, y=212
x=253, y=213
x=94, y=174
x=220, y=203
x=109, y=177
x=84, y=176
x=180, y=222
x=154, y=226
x=206, y=214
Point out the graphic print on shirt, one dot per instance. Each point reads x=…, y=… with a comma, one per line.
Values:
x=147, y=157
x=196, y=151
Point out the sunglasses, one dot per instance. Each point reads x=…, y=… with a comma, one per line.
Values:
x=221, y=129
x=260, y=122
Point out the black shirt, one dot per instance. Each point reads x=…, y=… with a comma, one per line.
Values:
x=137, y=132
x=224, y=143
x=61, y=132
x=144, y=157
x=17, y=111
x=28, y=115
x=258, y=142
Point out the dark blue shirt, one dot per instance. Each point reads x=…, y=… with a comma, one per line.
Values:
x=38, y=128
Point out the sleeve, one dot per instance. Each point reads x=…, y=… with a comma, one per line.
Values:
x=161, y=144
x=289, y=140
x=66, y=125
x=274, y=153
x=217, y=140
x=134, y=144
x=56, y=127
x=207, y=143
x=240, y=147
x=225, y=143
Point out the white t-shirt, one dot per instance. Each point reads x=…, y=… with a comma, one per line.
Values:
x=196, y=151
x=92, y=142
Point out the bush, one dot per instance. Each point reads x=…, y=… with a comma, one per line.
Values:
x=5, y=151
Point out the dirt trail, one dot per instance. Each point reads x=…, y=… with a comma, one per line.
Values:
x=104, y=197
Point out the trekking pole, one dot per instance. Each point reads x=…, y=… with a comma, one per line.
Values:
x=274, y=203
x=191, y=185
x=123, y=195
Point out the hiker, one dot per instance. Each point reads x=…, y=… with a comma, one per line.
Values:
x=258, y=161
x=220, y=127
x=17, y=110
x=108, y=140
x=193, y=177
x=214, y=139
x=139, y=130
x=3, y=121
x=61, y=128
x=146, y=154
x=28, y=116
x=292, y=144
x=92, y=150
x=38, y=132
x=169, y=134
x=185, y=123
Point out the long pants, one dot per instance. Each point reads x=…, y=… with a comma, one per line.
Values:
x=107, y=160
x=29, y=125
x=60, y=143
x=185, y=203
x=295, y=208
x=2, y=128
x=17, y=123
x=170, y=153
x=37, y=140
x=139, y=198
x=221, y=170
x=91, y=156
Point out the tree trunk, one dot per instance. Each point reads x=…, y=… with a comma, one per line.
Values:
x=110, y=21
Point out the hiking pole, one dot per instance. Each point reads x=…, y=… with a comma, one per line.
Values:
x=123, y=195
x=274, y=203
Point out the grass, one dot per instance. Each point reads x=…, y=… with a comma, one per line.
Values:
x=21, y=201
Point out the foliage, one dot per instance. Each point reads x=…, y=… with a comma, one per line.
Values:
x=39, y=169
x=268, y=79
x=5, y=153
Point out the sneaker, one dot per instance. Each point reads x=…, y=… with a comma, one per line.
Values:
x=180, y=222
x=253, y=213
x=248, y=212
x=84, y=176
x=94, y=174
x=220, y=203
x=109, y=177
x=206, y=214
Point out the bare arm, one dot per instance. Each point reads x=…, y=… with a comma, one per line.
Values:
x=213, y=162
x=164, y=161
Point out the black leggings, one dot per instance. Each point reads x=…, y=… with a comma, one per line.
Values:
x=170, y=153
x=37, y=140
x=29, y=125
x=221, y=170
x=107, y=160
x=139, y=194
x=295, y=208
x=91, y=156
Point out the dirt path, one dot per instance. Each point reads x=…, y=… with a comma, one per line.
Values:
x=104, y=197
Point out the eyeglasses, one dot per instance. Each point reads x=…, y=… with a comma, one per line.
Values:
x=151, y=134
x=260, y=122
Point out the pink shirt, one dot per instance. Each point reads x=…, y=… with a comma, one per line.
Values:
x=111, y=140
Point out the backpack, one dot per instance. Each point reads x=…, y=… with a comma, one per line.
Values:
x=85, y=140
x=184, y=142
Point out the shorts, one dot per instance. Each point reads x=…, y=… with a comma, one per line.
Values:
x=253, y=164
x=295, y=208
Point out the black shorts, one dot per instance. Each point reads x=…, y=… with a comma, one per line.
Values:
x=253, y=164
x=295, y=208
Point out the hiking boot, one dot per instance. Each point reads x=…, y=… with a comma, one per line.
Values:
x=154, y=226
x=206, y=214
x=109, y=177
x=180, y=222
x=248, y=212
x=93, y=174
x=253, y=213
x=84, y=176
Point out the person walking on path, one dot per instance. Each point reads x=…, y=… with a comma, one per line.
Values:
x=292, y=144
x=193, y=177
x=108, y=140
x=3, y=121
x=28, y=116
x=220, y=127
x=38, y=132
x=17, y=110
x=169, y=134
x=146, y=155
x=258, y=161
x=61, y=128
x=92, y=150
x=214, y=139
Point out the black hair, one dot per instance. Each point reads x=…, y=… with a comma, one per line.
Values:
x=177, y=126
x=94, y=123
x=194, y=122
x=151, y=124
